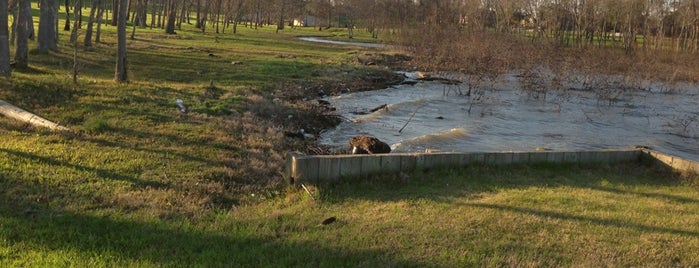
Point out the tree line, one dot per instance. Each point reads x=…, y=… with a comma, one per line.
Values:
x=629, y=24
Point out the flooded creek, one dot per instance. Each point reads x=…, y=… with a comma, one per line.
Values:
x=433, y=115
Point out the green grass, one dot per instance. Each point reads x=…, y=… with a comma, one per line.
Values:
x=625, y=215
x=136, y=183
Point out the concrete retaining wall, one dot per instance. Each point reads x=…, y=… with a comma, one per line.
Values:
x=302, y=168
x=676, y=163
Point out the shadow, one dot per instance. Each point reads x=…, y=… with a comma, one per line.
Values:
x=108, y=174
x=444, y=183
x=571, y=217
x=125, y=240
x=170, y=138
x=461, y=186
x=668, y=197
x=34, y=94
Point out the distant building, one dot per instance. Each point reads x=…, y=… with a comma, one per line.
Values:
x=306, y=21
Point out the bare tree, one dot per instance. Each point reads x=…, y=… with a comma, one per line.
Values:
x=5, y=68
x=120, y=75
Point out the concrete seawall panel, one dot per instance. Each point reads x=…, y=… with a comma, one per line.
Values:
x=316, y=168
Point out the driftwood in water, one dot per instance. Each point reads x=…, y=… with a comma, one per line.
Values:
x=20, y=114
x=382, y=106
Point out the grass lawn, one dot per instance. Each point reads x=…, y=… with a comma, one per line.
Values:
x=137, y=183
x=624, y=215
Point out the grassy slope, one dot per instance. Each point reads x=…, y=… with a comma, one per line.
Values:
x=138, y=184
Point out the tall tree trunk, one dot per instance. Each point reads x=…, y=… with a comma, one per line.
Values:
x=152, y=16
x=171, y=18
x=183, y=16
x=66, y=27
x=136, y=19
x=48, y=36
x=238, y=14
x=5, y=68
x=198, y=23
x=115, y=12
x=90, y=23
x=13, y=10
x=78, y=12
x=27, y=10
x=120, y=74
x=218, y=14
x=205, y=16
x=21, y=39
x=280, y=23
x=100, y=18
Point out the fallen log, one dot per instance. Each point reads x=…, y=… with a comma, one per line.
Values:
x=20, y=114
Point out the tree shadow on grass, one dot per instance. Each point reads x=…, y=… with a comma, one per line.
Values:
x=117, y=241
x=459, y=186
x=103, y=173
x=441, y=184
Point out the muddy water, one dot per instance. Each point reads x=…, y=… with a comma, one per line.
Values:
x=502, y=117
x=326, y=41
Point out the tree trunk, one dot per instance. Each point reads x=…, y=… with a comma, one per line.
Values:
x=152, y=16
x=100, y=18
x=67, y=25
x=48, y=37
x=22, y=35
x=183, y=16
x=171, y=18
x=205, y=17
x=5, y=68
x=136, y=19
x=218, y=15
x=27, y=12
x=12, y=9
x=90, y=22
x=238, y=14
x=121, y=66
x=77, y=11
x=115, y=12
x=280, y=23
